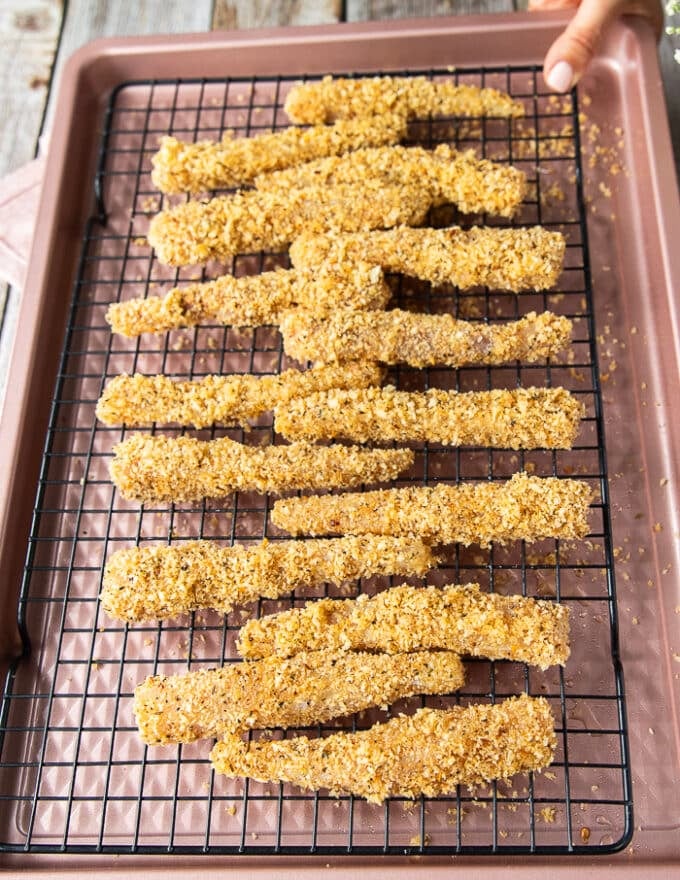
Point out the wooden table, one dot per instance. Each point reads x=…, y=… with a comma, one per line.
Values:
x=37, y=38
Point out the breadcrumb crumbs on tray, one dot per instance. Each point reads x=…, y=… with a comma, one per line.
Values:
x=249, y=221
x=459, y=618
x=310, y=688
x=154, y=468
x=460, y=178
x=513, y=259
x=428, y=753
x=233, y=399
x=420, y=340
x=340, y=98
x=548, y=815
x=522, y=508
x=517, y=418
x=253, y=300
x=180, y=167
x=157, y=582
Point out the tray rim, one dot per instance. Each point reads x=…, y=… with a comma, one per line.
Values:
x=108, y=58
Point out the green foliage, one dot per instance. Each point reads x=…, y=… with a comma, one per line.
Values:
x=673, y=8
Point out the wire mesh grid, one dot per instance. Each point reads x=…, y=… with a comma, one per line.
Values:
x=74, y=775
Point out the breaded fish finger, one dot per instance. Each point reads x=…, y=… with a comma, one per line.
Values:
x=194, y=168
x=459, y=618
x=253, y=300
x=309, y=688
x=139, y=401
x=473, y=185
x=428, y=753
x=517, y=418
x=328, y=99
x=157, y=582
x=163, y=469
x=515, y=259
x=420, y=340
x=522, y=508
x=196, y=232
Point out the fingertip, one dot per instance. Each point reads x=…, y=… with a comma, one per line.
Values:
x=567, y=59
x=560, y=77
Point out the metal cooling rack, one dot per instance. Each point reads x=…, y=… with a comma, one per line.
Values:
x=74, y=776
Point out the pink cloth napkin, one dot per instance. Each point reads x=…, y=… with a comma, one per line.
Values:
x=19, y=199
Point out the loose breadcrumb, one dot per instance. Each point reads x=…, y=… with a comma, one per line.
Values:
x=517, y=418
x=329, y=99
x=527, y=258
x=194, y=168
x=310, y=688
x=406, y=618
x=421, y=340
x=253, y=300
x=140, y=401
x=428, y=753
x=522, y=508
x=152, y=468
x=196, y=232
x=473, y=185
x=157, y=582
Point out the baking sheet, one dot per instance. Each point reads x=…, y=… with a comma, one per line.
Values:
x=616, y=375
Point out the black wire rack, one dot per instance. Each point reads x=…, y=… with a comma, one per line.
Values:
x=74, y=775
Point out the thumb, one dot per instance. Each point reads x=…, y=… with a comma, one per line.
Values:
x=572, y=51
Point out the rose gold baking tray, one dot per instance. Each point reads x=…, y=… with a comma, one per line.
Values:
x=81, y=669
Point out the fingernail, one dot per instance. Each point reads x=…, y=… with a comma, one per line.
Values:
x=560, y=77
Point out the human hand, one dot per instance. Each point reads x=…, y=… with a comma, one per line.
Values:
x=572, y=51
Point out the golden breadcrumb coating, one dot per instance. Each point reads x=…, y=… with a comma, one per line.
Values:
x=253, y=300
x=328, y=99
x=504, y=259
x=310, y=688
x=459, y=618
x=501, y=258
x=194, y=168
x=157, y=582
x=428, y=753
x=162, y=469
x=473, y=185
x=140, y=401
x=421, y=340
x=195, y=232
x=522, y=508
x=517, y=418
